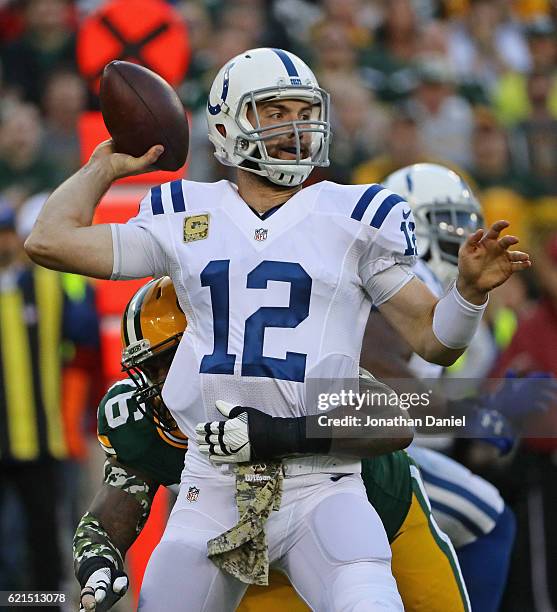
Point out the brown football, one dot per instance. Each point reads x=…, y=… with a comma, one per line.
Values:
x=140, y=109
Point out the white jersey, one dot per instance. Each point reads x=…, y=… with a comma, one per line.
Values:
x=273, y=300
x=465, y=506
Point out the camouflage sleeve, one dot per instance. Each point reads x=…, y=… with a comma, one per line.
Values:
x=91, y=540
x=116, y=475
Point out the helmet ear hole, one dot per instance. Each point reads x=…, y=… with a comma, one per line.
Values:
x=221, y=129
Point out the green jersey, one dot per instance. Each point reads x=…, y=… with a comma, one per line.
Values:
x=136, y=442
x=134, y=439
x=389, y=488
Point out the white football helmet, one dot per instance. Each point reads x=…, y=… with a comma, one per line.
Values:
x=267, y=74
x=445, y=210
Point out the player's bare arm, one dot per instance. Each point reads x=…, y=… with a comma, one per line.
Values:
x=63, y=237
x=484, y=262
x=120, y=513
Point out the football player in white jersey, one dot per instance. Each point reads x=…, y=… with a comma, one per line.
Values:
x=277, y=283
x=468, y=509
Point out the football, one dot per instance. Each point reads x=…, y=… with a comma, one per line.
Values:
x=140, y=109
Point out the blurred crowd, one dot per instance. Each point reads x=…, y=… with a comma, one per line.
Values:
x=471, y=84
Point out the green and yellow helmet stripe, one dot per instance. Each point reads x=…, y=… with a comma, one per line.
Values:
x=131, y=324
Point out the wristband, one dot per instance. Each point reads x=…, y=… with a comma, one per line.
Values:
x=90, y=566
x=455, y=320
x=279, y=437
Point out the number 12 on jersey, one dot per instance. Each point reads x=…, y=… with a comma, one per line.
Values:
x=407, y=228
x=216, y=276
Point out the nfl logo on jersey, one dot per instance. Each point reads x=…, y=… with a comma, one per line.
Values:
x=193, y=494
x=261, y=234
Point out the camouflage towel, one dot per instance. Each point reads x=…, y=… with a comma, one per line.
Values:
x=242, y=550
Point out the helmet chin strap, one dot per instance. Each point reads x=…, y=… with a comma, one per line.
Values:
x=285, y=176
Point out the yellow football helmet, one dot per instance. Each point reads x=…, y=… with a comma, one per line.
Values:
x=152, y=326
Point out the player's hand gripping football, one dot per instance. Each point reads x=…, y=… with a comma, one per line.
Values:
x=485, y=262
x=103, y=588
x=119, y=165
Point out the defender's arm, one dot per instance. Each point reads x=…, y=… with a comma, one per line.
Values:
x=252, y=435
x=107, y=530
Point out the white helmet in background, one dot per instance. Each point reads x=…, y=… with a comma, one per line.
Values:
x=267, y=74
x=445, y=210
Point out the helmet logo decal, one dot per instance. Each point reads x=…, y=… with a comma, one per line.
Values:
x=409, y=182
x=289, y=65
x=215, y=110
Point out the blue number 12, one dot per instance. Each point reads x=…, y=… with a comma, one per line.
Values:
x=216, y=276
x=407, y=228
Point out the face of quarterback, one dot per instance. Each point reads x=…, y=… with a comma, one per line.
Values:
x=272, y=112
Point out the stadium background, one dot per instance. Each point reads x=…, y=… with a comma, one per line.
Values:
x=468, y=83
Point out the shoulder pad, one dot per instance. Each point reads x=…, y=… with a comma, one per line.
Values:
x=167, y=198
x=368, y=204
x=184, y=196
x=120, y=386
x=374, y=204
x=120, y=394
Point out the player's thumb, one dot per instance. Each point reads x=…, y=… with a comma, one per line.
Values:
x=88, y=603
x=152, y=154
x=146, y=161
x=224, y=407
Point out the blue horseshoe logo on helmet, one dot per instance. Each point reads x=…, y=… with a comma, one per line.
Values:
x=215, y=110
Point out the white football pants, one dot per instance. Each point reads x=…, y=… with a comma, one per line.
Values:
x=326, y=537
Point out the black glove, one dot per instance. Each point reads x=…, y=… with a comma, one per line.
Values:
x=252, y=435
